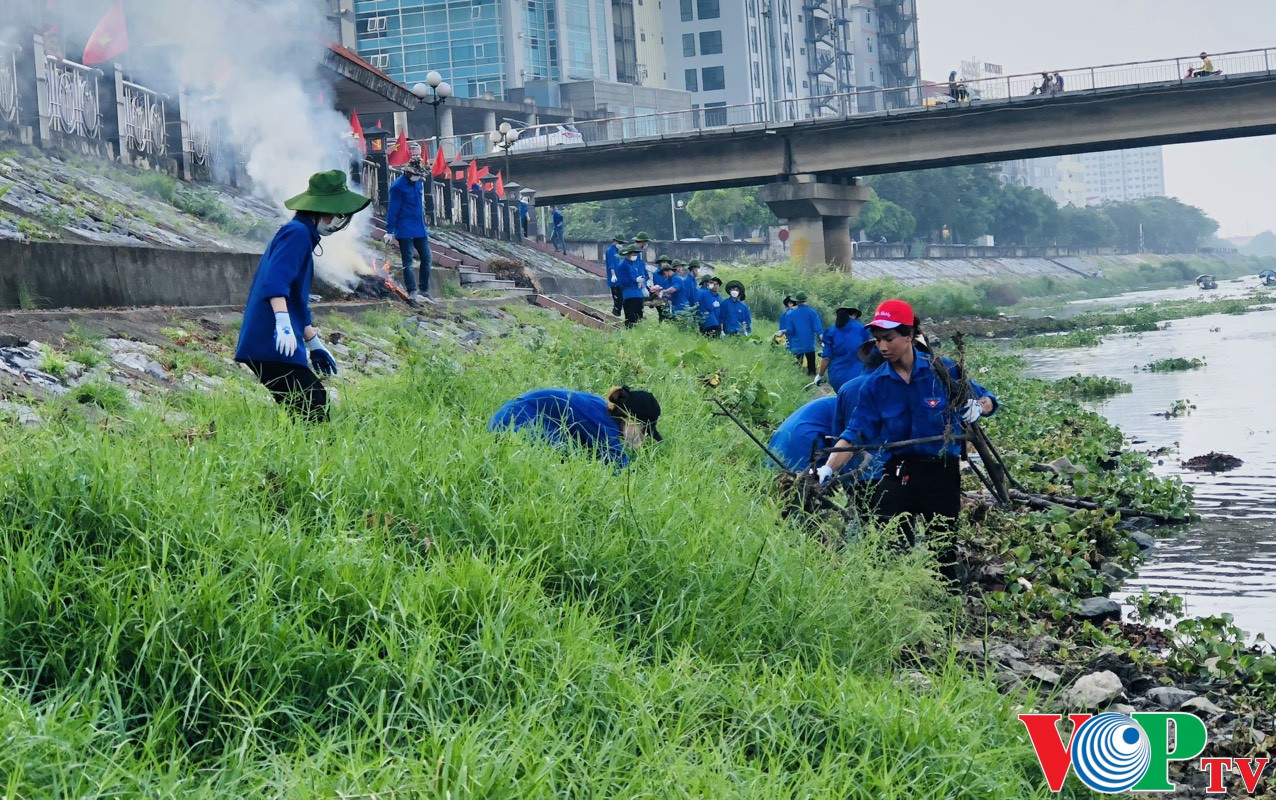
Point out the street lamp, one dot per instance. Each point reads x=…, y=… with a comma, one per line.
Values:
x=439, y=91
x=504, y=137
x=674, y=217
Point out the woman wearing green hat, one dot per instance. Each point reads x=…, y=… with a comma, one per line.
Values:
x=279, y=301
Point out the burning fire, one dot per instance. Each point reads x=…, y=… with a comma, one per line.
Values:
x=383, y=272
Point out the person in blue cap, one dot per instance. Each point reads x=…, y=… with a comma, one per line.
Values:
x=709, y=307
x=913, y=396
x=802, y=327
x=279, y=300
x=611, y=263
x=405, y=223
x=737, y=319
x=603, y=425
x=838, y=360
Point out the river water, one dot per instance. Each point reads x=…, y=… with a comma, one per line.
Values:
x=1226, y=562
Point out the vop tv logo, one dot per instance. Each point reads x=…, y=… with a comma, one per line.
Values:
x=1114, y=752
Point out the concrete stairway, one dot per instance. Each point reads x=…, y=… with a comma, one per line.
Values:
x=575, y=311
x=474, y=278
x=584, y=264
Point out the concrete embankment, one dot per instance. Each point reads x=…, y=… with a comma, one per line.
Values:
x=917, y=272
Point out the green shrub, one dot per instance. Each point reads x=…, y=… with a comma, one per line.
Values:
x=87, y=356
x=52, y=363
x=1174, y=365
x=106, y=396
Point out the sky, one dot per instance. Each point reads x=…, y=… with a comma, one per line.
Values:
x=1234, y=181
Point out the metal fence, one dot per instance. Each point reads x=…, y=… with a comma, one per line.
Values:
x=143, y=119
x=75, y=99
x=9, y=95
x=1001, y=90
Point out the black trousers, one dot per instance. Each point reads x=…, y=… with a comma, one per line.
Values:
x=810, y=361
x=633, y=310
x=294, y=387
x=923, y=489
x=617, y=300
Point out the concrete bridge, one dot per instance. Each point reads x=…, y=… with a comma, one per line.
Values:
x=811, y=166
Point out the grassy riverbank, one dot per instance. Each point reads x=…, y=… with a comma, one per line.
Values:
x=204, y=599
x=401, y=603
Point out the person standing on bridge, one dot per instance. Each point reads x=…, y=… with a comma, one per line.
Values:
x=279, y=300
x=557, y=230
x=405, y=222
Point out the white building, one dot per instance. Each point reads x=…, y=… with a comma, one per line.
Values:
x=1121, y=175
x=1061, y=177
x=790, y=59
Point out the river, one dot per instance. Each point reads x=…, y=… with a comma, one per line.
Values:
x=1226, y=562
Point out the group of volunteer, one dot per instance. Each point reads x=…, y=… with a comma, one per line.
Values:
x=676, y=288
x=892, y=433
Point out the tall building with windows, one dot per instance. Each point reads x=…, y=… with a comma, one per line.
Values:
x=1122, y=175
x=791, y=59
x=1061, y=177
x=640, y=42
x=488, y=47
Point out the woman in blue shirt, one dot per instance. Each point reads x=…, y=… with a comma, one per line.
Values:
x=737, y=319
x=603, y=425
x=911, y=396
x=279, y=301
x=838, y=360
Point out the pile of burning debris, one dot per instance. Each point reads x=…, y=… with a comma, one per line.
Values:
x=379, y=285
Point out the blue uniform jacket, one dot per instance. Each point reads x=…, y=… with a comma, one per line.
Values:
x=890, y=410
x=709, y=308
x=736, y=317
x=563, y=418
x=802, y=327
x=630, y=277
x=840, y=345
x=804, y=428
x=285, y=270
x=405, y=217
x=848, y=398
x=611, y=258
x=558, y=220
x=685, y=297
x=661, y=282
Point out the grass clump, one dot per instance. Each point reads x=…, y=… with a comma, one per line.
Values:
x=1091, y=387
x=88, y=356
x=1174, y=365
x=55, y=364
x=106, y=396
x=400, y=602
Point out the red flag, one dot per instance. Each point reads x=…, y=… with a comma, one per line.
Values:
x=483, y=173
x=500, y=186
x=356, y=130
x=399, y=155
x=110, y=38
x=439, y=169
x=471, y=175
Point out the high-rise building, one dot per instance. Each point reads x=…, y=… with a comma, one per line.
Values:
x=1061, y=177
x=487, y=47
x=791, y=59
x=1121, y=175
x=640, y=42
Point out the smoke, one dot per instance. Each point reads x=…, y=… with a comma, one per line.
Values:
x=258, y=61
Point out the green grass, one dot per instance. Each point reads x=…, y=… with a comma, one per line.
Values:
x=88, y=356
x=55, y=364
x=106, y=396
x=401, y=603
x=1174, y=365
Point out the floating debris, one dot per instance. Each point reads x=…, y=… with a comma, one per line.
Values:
x=1212, y=462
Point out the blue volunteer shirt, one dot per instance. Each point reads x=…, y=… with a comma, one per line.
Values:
x=803, y=429
x=686, y=294
x=840, y=345
x=630, y=277
x=736, y=317
x=709, y=308
x=405, y=215
x=848, y=398
x=565, y=418
x=558, y=219
x=890, y=410
x=612, y=259
x=802, y=327
x=285, y=270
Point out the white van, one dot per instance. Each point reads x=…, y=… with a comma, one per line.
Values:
x=547, y=137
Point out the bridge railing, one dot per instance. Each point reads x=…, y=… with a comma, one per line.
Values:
x=1009, y=89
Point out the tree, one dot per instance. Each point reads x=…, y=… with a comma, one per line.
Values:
x=714, y=209
x=960, y=197
x=881, y=218
x=1024, y=216
x=1086, y=227
x=1160, y=224
x=1264, y=244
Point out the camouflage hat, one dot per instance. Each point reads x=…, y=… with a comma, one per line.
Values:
x=630, y=249
x=663, y=259
x=415, y=166
x=694, y=263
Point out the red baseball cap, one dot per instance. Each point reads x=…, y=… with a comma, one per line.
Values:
x=892, y=314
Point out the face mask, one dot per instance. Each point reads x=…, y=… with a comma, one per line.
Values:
x=338, y=223
x=735, y=292
x=633, y=256
x=414, y=178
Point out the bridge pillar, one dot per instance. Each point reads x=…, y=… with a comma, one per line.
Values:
x=819, y=211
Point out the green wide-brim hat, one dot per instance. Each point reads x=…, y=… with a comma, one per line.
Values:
x=328, y=194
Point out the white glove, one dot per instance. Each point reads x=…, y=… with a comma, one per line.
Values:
x=285, y=339
x=973, y=411
x=825, y=472
x=819, y=379
x=388, y=238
